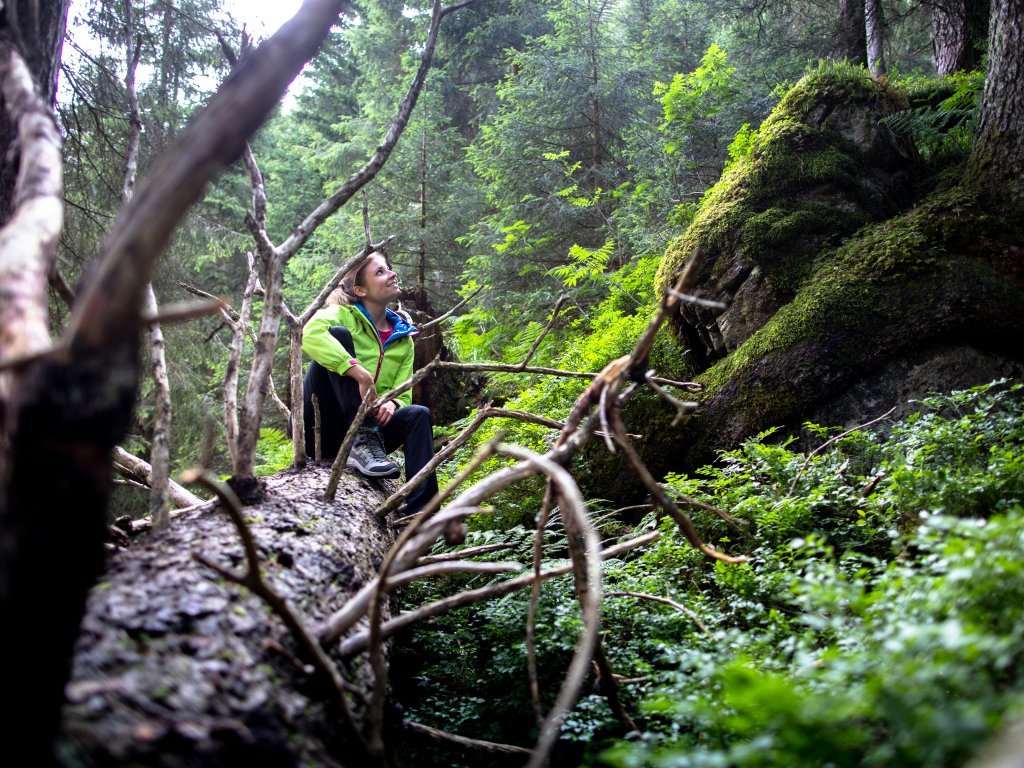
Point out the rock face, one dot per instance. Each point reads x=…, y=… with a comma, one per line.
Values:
x=820, y=167
x=850, y=290
x=176, y=666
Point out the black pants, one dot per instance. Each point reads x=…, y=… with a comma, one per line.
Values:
x=338, y=400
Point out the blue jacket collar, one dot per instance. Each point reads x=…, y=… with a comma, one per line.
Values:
x=400, y=328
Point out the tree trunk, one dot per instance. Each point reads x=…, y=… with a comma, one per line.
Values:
x=959, y=28
x=178, y=667
x=997, y=162
x=874, y=23
x=851, y=43
x=37, y=30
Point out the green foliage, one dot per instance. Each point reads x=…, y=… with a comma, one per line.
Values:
x=943, y=126
x=696, y=95
x=273, y=452
x=878, y=620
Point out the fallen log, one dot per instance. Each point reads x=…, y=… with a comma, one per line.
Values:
x=176, y=665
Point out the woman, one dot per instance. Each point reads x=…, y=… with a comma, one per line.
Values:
x=358, y=345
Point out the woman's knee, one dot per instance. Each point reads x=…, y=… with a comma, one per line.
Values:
x=416, y=412
x=344, y=337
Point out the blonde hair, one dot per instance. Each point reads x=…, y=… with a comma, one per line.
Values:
x=345, y=293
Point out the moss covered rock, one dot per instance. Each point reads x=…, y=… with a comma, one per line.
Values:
x=821, y=166
x=845, y=296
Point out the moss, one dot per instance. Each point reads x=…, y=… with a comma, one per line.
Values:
x=760, y=200
x=876, y=292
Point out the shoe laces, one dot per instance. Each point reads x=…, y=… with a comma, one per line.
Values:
x=374, y=444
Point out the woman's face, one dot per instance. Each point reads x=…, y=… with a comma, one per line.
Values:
x=377, y=283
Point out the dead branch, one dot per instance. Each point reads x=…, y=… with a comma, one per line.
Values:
x=587, y=567
x=357, y=643
x=547, y=329
x=239, y=327
x=607, y=683
x=452, y=566
x=413, y=542
x=395, y=500
x=341, y=621
x=531, y=611
x=678, y=606
x=108, y=305
x=182, y=311
x=341, y=460
x=364, y=175
x=462, y=554
x=691, y=299
x=452, y=311
x=832, y=440
x=134, y=468
x=659, y=493
x=451, y=739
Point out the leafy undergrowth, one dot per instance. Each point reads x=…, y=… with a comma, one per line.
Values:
x=878, y=620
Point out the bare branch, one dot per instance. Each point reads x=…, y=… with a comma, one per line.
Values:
x=659, y=493
x=547, y=329
x=462, y=554
x=341, y=460
x=452, y=311
x=364, y=175
x=461, y=742
x=359, y=641
x=136, y=469
x=678, y=606
x=690, y=299
x=832, y=440
x=452, y=566
x=108, y=307
x=182, y=311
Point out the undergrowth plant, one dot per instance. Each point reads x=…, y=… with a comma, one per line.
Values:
x=879, y=619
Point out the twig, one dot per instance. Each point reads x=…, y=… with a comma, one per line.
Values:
x=317, y=452
x=678, y=606
x=462, y=554
x=531, y=611
x=450, y=312
x=682, y=407
x=366, y=219
x=587, y=566
x=609, y=686
x=452, y=566
x=691, y=299
x=359, y=641
x=356, y=607
x=829, y=442
x=659, y=493
x=184, y=311
x=443, y=737
x=547, y=328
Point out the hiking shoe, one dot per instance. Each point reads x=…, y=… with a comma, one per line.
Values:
x=368, y=457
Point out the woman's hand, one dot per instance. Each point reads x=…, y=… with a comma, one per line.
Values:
x=364, y=380
x=384, y=413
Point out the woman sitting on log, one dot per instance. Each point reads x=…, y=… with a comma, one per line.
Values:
x=358, y=345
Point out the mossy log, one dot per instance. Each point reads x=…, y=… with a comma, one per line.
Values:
x=177, y=666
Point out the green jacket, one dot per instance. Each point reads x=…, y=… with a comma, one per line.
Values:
x=390, y=365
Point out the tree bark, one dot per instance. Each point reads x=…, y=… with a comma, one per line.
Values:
x=959, y=29
x=178, y=667
x=851, y=43
x=874, y=23
x=996, y=166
